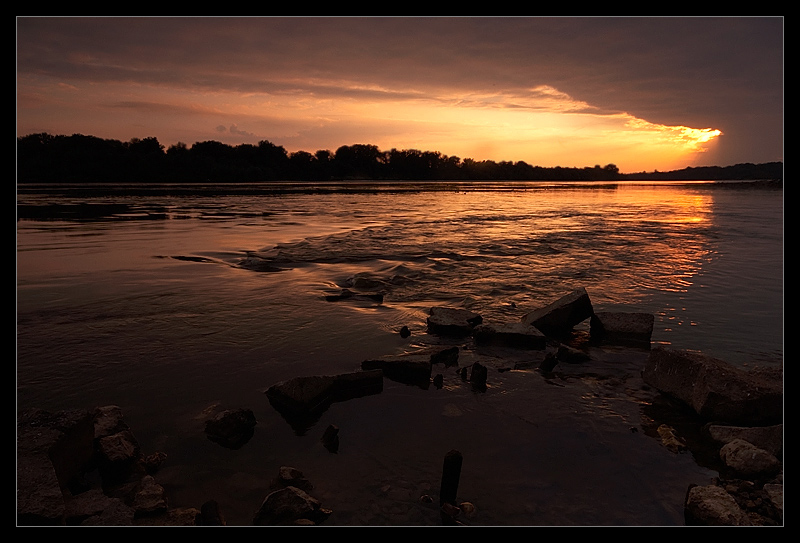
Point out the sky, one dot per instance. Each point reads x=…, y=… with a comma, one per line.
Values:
x=644, y=94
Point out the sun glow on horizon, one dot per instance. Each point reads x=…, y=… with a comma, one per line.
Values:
x=541, y=126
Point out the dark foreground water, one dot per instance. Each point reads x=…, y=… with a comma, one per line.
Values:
x=175, y=304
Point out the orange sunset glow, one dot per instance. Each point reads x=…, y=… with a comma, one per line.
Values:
x=570, y=92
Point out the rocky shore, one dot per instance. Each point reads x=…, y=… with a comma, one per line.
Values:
x=85, y=467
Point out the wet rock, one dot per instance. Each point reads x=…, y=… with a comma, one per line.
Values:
x=304, y=396
x=330, y=439
x=549, y=362
x=52, y=450
x=451, y=321
x=712, y=505
x=715, y=389
x=149, y=499
x=669, y=439
x=117, y=454
x=561, y=316
x=347, y=294
x=447, y=356
x=619, y=328
x=410, y=368
x=769, y=438
x=515, y=335
x=210, y=515
x=289, y=476
x=478, y=375
x=231, y=428
x=289, y=506
x=570, y=355
x=747, y=460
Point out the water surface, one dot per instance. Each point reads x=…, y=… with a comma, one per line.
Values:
x=173, y=303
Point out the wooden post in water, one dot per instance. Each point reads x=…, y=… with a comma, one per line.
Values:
x=451, y=473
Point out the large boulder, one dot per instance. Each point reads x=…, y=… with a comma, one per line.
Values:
x=451, y=321
x=561, y=316
x=619, y=328
x=716, y=390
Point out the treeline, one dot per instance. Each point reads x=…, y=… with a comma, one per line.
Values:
x=45, y=158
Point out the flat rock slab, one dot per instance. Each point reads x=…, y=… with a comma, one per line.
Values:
x=316, y=393
x=561, y=316
x=452, y=321
x=620, y=328
x=716, y=390
x=514, y=334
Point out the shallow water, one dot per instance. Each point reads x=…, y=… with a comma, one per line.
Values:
x=180, y=303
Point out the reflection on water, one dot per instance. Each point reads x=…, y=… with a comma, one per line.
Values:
x=168, y=301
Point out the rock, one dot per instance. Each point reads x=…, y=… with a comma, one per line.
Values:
x=747, y=460
x=715, y=389
x=570, y=355
x=410, y=368
x=108, y=420
x=712, y=506
x=438, y=380
x=115, y=513
x=93, y=503
x=287, y=506
x=559, y=317
x=330, y=440
x=117, y=455
x=669, y=439
x=346, y=294
x=774, y=493
x=469, y=509
x=631, y=329
x=447, y=356
x=289, y=476
x=769, y=438
x=150, y=498
x=231, y=428
x=316, y=393
x=515, y=335
x=405, y=332
x=478, y=375
x=549, y=362
x=210, y=515
x=451, y=321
